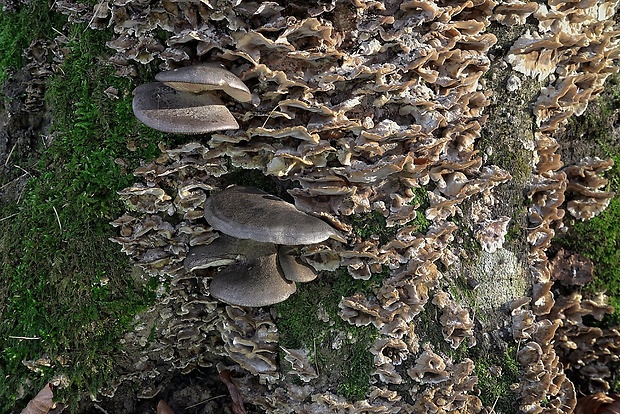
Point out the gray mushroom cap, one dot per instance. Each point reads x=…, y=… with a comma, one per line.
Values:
x=165, y=109
x=254, y=282
x=293, y=268
x=222, y=251
x=250, y=213
x=206, y=77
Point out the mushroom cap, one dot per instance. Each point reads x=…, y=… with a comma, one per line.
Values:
x=256, y=282
x=205, y=77
x=165, y=109
x=222, y=251
x=293, y=268
x=250, y=213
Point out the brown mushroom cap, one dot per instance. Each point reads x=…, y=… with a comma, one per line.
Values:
x=293, y=268
x=161, y=107
x=254, y=282
x=205, y=77
x=250, y=213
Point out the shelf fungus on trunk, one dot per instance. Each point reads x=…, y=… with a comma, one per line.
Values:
x=260, y=232
x=293, y=267
x=185, y=100
x=255, y=280
x=222, y=251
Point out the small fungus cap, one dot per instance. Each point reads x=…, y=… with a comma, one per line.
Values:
x=165, y=109
x=293, y=268
x=250, y=213
x=222, y=251
x=255, y=282
x=205, y=77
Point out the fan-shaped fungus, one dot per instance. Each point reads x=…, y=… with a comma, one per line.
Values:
x=255, y=280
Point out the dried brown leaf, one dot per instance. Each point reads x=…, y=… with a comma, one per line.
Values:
x=598, y=403
x=163, y=408
x=235, y=395
x=41, y=403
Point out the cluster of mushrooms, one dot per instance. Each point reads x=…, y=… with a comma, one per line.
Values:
x=260, y=231
x=185, y=100
x=260, y=235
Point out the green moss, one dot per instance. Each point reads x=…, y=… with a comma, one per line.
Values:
x=373, y=225
x=596, y=124
x=517, y=232
x=599, y=237
x=427, y=326
x=497, y=135
x=495, y=384
x=467, y=241
x=358, y=366
x=64, y=282
x=496, y=371
x=599, y=240
x=17, y=31
x=309, y=319
x=421, y=199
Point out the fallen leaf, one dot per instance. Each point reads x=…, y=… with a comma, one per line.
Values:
x=235, y=395
x=42, y=402
x=163, y=408
x=598, y=403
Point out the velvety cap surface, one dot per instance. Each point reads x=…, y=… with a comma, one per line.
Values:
x=199, y=78
x=250, y=213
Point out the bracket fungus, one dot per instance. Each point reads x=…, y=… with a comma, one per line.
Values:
x=253, y=276
x=250, y=213
x=293, y=267
x=571, y=269
x=598, y=403
x=255, y=280
x=222, y=251
x=362, y=103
